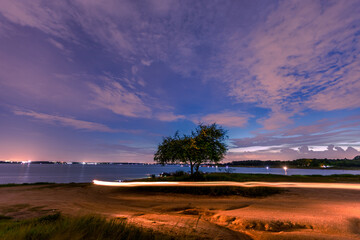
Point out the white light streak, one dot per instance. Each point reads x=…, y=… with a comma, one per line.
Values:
x=353, y=186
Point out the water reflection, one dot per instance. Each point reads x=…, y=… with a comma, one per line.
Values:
x=24, y=172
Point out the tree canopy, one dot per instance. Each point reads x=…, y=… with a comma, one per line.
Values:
x=206, y=144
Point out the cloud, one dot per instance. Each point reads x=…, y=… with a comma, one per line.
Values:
x=56, y=44
x=173, y=32
x=323, y=139
x=66, y=121
x=115, y=97
x=226, y=118
x=127, y=101
x=320, y=126
x=126, y=149
x=292, y=56
x=146, y=62
x=285, y=153
x=304, y=149
x=302, y=57
x=277, y=139
x=45, y=16
x=342, y=131
x=168, y=116
x=276, y=120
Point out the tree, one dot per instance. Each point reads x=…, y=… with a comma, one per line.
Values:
x=204, y=145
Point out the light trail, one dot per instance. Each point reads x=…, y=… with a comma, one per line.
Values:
x=351, y=186
x=133, y=184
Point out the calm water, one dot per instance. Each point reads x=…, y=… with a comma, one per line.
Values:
x=30, y=173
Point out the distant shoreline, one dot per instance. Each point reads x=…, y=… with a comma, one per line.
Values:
x=318, y=168
x=185, y=165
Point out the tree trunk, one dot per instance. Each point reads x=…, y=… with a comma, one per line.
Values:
x=197, y=168
x=192, y=168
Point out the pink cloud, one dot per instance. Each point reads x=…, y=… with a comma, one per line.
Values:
x=276, y=120
x=168, y=116
x=227, y=118
x=57, y=44
x=45, y=16
x=321, y=126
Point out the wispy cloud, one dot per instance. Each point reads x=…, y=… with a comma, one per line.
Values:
x=226, y=118
x=276, y=120
x=115, y=97
x=127, y=101
x=127, y=149
x=45, y=16
x=168, y=116
x=66, y=121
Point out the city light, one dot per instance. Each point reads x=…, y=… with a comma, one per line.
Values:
x=285, y=169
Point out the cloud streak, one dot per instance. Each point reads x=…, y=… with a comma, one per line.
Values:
x=66, y=121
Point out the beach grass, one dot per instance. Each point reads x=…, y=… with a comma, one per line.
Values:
x=56, y=226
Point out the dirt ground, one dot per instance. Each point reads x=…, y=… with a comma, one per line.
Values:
x=294, y=214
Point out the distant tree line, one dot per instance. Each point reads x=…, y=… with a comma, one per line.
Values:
x=301, y=163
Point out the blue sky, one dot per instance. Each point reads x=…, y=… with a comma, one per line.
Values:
x=105, y=81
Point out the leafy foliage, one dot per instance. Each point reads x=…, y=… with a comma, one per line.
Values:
x=204, y=145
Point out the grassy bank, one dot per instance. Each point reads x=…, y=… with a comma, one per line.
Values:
x=56, y=226
x=240, y=177
x=253, y=192
x=46, y=184
x=24, y=184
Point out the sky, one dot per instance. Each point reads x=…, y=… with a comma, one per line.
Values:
x=88, y=80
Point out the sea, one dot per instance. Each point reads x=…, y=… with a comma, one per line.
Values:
x=81, y=173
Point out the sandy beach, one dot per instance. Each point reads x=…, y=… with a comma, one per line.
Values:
x=297, y=213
